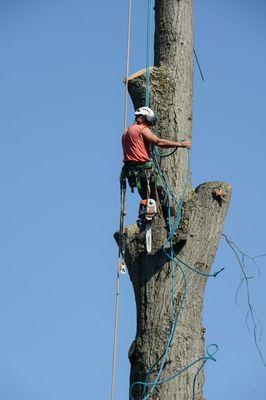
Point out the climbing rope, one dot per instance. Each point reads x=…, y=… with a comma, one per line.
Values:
x=122, y=211
x=127, y=62
x=148, y=52
x=208, y=356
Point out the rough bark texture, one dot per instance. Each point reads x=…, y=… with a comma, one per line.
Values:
x=150, y=276
x=203, y=214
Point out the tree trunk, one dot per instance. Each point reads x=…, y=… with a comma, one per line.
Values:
x=203, y=214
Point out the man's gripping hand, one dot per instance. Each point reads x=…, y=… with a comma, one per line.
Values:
x=186, y=143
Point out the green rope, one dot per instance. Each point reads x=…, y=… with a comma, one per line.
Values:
x=205, y=358
x=148, y=52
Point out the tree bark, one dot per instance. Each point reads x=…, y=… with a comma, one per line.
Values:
x=171, y=89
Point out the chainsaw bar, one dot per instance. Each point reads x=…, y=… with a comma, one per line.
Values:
x=148, y=237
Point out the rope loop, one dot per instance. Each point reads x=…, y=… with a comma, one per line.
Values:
x=210, y=354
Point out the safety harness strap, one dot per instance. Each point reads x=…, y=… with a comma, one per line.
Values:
x=136, y=174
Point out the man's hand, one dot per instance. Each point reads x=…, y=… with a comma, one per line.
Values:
x=186, y=144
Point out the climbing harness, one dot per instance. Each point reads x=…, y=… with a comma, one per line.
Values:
x=145, y=179
x=137, y=174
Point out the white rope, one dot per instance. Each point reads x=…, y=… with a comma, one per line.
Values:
x=119, y=260
x=127, y=62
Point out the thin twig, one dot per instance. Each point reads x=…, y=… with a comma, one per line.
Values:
x=260, y=255
x=257, y=331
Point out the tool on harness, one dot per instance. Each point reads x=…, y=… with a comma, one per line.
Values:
x=147, y=209
x=137, y=175
x=143, y=177
x=147, y=213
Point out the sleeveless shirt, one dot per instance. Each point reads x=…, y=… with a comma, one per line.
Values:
x=135, y=147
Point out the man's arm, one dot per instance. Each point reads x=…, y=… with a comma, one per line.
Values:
x=163, y=143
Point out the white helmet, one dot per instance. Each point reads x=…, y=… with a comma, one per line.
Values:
x=147, y=113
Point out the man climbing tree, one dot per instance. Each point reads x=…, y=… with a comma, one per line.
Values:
x=137, y=139
x=138, y=166
x=168, y=353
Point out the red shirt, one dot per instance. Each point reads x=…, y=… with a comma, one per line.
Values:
x=135, y=147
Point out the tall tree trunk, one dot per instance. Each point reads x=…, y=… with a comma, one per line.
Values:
x=171, y=93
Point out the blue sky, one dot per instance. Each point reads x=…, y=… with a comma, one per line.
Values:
x=61, y=104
